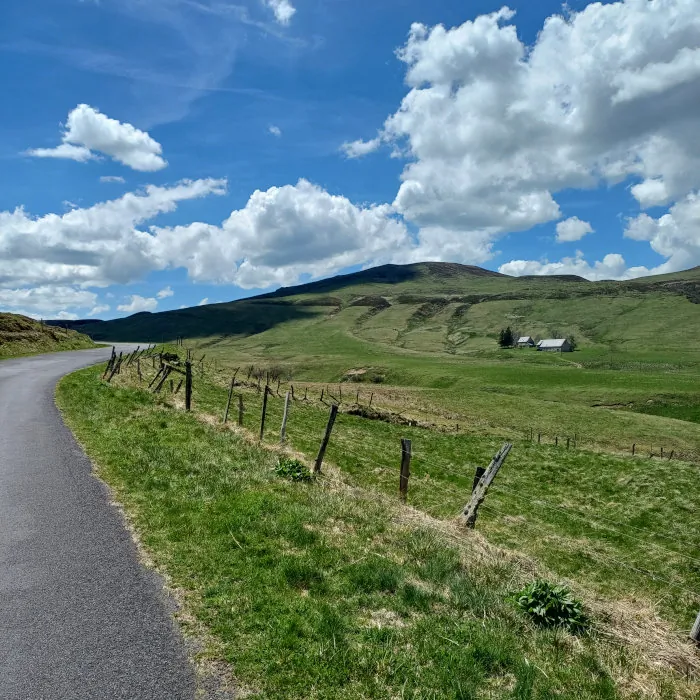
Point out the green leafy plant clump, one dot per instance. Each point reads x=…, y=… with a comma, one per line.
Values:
x=551, y=605
x=293, y=469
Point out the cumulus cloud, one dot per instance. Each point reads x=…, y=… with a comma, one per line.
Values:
x=282, y=9
x=112, y=178
x=89, y=131
x=572, y=229
x=359, y=148
x=45, y=300
x=138, y=303
x=493, y=129
x=612, y=266
x=282, y=233
x=275, y=130
x=165, y=293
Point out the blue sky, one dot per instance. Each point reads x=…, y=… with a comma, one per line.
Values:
x=157, y=153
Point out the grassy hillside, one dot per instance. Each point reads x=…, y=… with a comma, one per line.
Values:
x=447, y=308
x=331, y=588
x=20, y=335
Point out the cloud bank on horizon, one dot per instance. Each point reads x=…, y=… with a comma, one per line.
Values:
x=492, y=135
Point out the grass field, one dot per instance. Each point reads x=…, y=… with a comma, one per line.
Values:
x=332, y=589
x=419, y=344
x=20, y=336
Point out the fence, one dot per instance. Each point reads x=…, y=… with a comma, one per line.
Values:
x=268, y=386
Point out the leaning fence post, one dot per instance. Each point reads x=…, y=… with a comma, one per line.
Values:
x=405, y=468
x=228, y=403
x=326, y=438
x=188, y=385
x=479, y=493
x=264, y=411
x=283, y=431
x=695, y=632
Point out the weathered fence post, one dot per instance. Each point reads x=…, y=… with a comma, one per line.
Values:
x=138, y=369
x=357, y=398
x=264, y=411
x=371, y=396
x=634, y=445
x=479, y=493
x=405, y=468
x=567, y=443
x=556, y=440
x=326, y=438
x=695, y=632
x=283, y=431
x=188, y=385
x=539, y=438
x=228, y=403
x=240, y=409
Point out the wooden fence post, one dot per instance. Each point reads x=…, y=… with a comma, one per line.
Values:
x=556, y=440
x=695, y=632
x=264, y=411
x=567, y=443
x=634, y=445
x=188, y=385
x=326, y=438
x=240, y=409
x=138, y=369
x=479, y=493
x=539, y=438
x=405, y=468
x=371, y=396
x=228, y=402
x=283, y=431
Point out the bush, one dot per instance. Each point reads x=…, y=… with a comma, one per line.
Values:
x=551, y=605
x=293, y=469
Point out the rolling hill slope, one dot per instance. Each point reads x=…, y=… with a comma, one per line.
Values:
x=20, y=335
x=445, y=308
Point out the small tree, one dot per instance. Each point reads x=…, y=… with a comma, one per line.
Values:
x=572, y=342
x=505, y=338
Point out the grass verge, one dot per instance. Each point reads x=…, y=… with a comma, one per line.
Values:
x=326, y=590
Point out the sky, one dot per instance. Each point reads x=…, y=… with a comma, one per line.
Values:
x=159, y=154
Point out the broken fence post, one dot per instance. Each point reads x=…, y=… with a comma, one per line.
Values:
x=405, y=468
x=479, y=493
x=283, y=431
x=327, y=436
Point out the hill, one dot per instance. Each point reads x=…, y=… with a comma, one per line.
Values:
x=20, y=335
x=445, y=307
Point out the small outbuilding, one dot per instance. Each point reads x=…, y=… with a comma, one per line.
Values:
x=525, y=341
x=555, y=345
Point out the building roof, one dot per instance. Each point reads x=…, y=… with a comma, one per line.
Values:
x=525, y=339
x=552, y=343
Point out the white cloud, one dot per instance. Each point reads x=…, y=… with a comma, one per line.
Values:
x=283, y=10
x=138, y=303
x=88, y=130
x=95, y=246
x=359, y=148
x=572, y=229
x=112, y=178
x=275, y=130
x=203, y=302
x=45, y=300
x=66, y=151
x=612, y=266
x=100, y=308
x=165, y=293
x=493, y=129
x=282, y=233
x=675, y=235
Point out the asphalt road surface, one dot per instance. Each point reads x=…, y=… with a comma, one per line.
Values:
x=80, y=617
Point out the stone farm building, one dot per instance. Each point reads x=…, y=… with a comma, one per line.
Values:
x=525, y=341
x=554, y=345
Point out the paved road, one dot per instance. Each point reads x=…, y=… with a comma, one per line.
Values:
x=80, y=618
